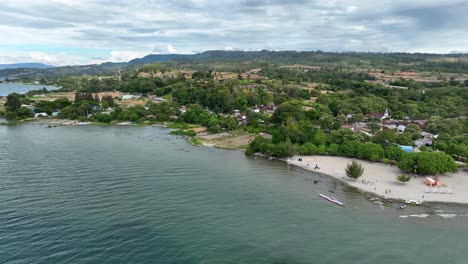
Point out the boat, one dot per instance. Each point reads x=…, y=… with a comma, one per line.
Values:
x=331, y=199
x=402, y=206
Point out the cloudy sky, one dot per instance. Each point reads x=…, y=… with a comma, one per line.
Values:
x=65, y=32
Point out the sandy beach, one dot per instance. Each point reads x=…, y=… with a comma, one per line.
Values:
x=379, y=178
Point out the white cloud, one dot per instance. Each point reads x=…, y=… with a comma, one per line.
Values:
x=129, y=28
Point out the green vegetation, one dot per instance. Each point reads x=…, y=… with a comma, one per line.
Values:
x=14, y=109
x=354, y=170
x=312, y=103
x=427, y=163
x=403, y=178
x=189, y=133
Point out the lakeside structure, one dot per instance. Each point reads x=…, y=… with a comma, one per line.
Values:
x=379, y=179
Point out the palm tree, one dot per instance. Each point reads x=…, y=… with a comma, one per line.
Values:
x=403, y=178
x=354, y=170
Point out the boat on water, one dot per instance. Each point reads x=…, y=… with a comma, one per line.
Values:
x=331, y=199
x=402, y=206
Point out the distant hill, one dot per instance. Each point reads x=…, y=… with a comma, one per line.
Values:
x=31, y=65
x=457, y=63
x=152, y=58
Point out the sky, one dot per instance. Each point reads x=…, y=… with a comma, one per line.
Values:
x=65, y=32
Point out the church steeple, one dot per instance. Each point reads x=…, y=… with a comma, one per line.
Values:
x=386, y=113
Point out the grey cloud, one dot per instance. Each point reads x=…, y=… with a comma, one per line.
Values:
x=249, y=24
x=436, y=17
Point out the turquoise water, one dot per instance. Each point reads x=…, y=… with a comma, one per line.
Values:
x=8, y=88
x=138, y=195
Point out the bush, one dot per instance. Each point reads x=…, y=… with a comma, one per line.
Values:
x=394, y=153
x=333, y=149
x=179, y=132
x=427, y=163
x=103, y=118
x=308, y=149
x=403, y=178
x=354, y=170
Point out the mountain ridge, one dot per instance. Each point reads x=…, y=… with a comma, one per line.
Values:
x=281, y=57
x=29, y=65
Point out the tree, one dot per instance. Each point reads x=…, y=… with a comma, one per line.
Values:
x=385, y=138
x=374, y=127
x=354, y=170
x=403, y=178
x=350, y=148
x=103, y=118
x=109, y=100
x=326, y=121
x=398, y=115
x=333, y=149
x=288, y=110
x=308, y=149
x=23, y=112
x=394, y=153
x=370, y=151
x=13, y=102
x=427, y=163
x=284, y=149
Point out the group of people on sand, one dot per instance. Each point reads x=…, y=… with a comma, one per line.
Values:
x=388, y=191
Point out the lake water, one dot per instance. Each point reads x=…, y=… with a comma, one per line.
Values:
x=8, y=88
x=137, y=195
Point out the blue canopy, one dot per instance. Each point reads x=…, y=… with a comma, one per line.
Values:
x=406, y=148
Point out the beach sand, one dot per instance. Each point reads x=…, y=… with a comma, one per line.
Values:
x=377, y=178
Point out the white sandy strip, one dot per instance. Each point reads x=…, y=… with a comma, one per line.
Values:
x=379, y=177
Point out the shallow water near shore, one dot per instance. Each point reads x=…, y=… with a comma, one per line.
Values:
x=138, y=195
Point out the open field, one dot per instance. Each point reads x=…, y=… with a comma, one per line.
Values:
x=227, y=141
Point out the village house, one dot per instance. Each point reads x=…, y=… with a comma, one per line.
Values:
x=268, y=108
x=426, y=139
x=30, y=107
x=401, y=128
x=379, y=116
x=129, y=96
x=242, y=119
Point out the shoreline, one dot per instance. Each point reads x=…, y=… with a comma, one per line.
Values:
x=374, y=183
x=378, y=178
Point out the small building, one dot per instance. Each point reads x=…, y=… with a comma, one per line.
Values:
x=380, y=115
x=182, y=110
x=389, y=127
x=401, y=128
x=129, y=96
